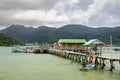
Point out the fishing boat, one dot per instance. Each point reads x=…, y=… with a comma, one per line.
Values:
x=18, y=49
x=116, y=49
x=40, y=50
x=37, y=50
x=87, y=67
x=30, y=49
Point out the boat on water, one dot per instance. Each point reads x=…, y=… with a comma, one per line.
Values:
x=40, y=50
x=18, y=49
x=87, y=67
x=23, y=49
x=30, y=49
x=116, y=49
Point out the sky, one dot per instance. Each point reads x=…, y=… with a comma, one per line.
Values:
x=56, y=13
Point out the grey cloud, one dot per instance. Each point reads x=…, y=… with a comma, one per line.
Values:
x=62, y=7
x=27, y=4
x=83, y=4
x=5, y=18
x=112, y=10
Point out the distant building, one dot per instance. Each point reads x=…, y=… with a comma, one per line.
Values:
x=70, y=44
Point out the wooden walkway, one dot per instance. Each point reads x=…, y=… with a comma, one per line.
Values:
x=98, y=60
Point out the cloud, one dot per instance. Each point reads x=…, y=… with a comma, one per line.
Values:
x=41, y=17
x=106, y=13
x=60, y=12
x=27, y=4
x=95, y=14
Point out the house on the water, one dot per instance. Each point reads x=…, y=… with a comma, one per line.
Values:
x=95, y=46
x=70, y=45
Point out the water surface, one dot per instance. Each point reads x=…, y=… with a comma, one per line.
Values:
x=28, y=66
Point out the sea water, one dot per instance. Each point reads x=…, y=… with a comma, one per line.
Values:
x=29, y=66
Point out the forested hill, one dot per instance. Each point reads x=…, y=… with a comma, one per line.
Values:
x=8, y=41
x=48, y=34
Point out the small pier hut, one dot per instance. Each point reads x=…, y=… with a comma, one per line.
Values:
x=75, y=45
x=94, y=46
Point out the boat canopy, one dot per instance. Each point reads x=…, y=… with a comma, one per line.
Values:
x=94, y=41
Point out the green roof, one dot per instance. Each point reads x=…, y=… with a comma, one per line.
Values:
x=72, y=40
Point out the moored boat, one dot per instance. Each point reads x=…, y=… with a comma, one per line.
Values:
x=18, y=49
x=40, y=50
x=87, y=67
x=30, y=49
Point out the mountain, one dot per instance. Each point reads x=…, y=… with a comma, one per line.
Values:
x=45, y=34
x=18, y=32
x=8, y=41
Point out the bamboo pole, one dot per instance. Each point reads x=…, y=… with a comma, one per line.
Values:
x=111, y=45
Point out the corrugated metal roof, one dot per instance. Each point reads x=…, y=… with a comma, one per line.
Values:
x=94, y=41
x=72, y=40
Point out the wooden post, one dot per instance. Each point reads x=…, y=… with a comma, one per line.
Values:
x=111, y=45
x=76, y=57
x=79, y=58
x=69, y=56
x=96, y=61
x=112, y=67
x=100, y=61
x=103, y=64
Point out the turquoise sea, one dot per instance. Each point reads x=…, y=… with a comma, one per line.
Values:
x=29, y=66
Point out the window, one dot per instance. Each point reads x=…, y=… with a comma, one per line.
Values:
x=73, y=46
x=66, y=46
x=81, y=45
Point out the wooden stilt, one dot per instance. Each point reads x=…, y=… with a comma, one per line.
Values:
x=103, y=64
x=76, y=57
x=79, y=58
x=85, y=58
x=100, y=61
x=96, y=62
x=112, y=66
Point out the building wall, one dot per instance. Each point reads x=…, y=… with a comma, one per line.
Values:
x=70, y=46
x=73, y=46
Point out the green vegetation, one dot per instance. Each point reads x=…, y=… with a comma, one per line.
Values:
x=47, y=34
x=8, y=41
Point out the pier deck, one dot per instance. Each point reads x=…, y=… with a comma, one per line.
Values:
x=81, y=57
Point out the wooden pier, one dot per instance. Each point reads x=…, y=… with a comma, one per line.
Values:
x=81, y=57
